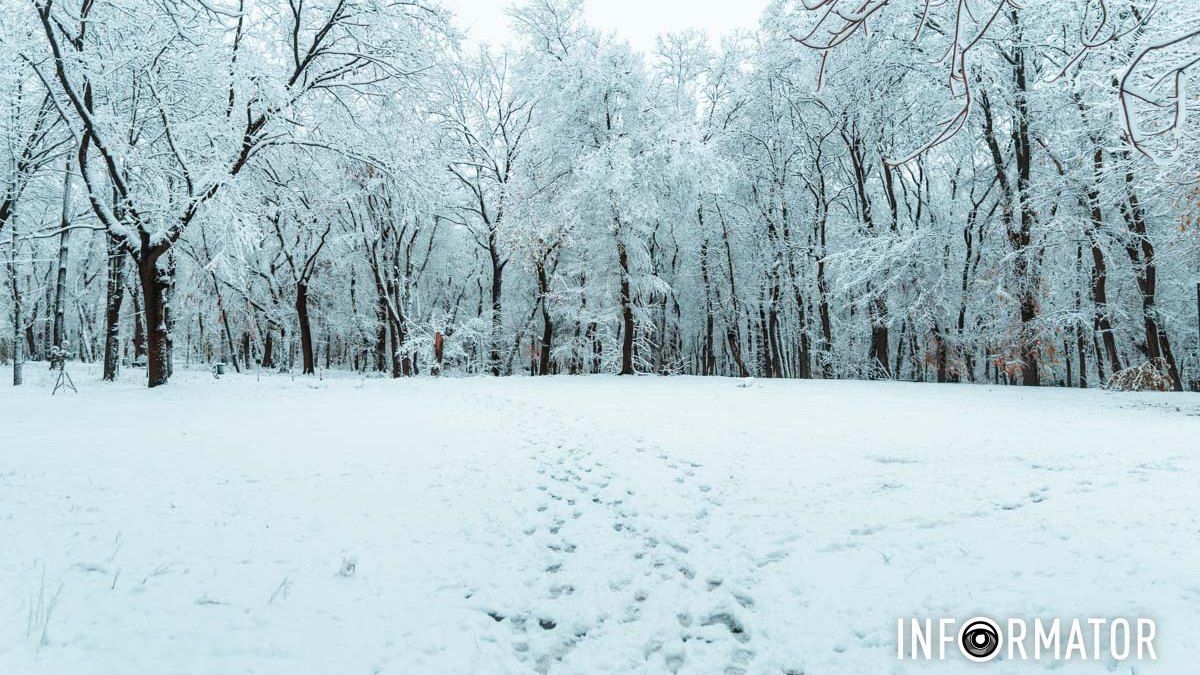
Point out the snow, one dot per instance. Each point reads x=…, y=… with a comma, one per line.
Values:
x=639, y=525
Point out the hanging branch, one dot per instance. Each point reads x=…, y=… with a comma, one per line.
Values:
x=838, y=20
x=1173, y=99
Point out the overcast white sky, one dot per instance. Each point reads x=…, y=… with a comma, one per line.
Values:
x=637, y=20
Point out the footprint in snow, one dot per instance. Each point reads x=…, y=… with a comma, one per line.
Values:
x=734, y=625
x=679, y=548
x=742, y=599
x=771, y=558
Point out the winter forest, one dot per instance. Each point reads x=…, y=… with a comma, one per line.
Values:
x=969, y=191
x=603, y=345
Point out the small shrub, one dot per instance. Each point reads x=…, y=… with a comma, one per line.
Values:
x=1150, y=376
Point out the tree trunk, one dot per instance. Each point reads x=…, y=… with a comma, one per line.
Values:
x=16, y=309
x=306, y=343
x=233, y=359
x=1022, y=238
x=31, y=341
x=155, y=283
x=114, y=298
x=823, y=311
x=774, y=344
x=64, y=242
x=708, y=356
x=804, y=367
x=86, y=348
x=733, y=332
x=168, y=311
x=439, y=346
x=877, y=315
x=139, y=327
x=547, y=323
x=497, y=311
x=268, y=355
x=1081, y=348
x=381, y=334
x=394, y=350
x=627, y=326
x=1080, y=341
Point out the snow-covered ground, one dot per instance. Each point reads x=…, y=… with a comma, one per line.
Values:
x=561, y=525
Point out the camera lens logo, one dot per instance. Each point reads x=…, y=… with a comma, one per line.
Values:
x=979, y=639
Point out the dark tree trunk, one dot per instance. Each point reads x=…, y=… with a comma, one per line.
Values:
x=1030, y=376
x=823, y=310
x=439, y=347
x=733, y=332
x=18, y=359
x=155, y=283
x=1081, y=348
x=1080, y=339
x=877, y=315
x=1101, y=322
x=774, y=344
x=381, y=334
x=306, y=341
x=268, y=355
x=31, y=342
x=139, y=325
x=394, y=351
x=764, y=340
x=627, y=326
x=943, y=374
x=64, y=249
x=1021, y=239
x=168, y=307
x=544, y=362
x=497, y=311
x=1069, y=362
x=970, y=260
x=233, y=358
x=708, y=357
x=114, y=298
x=804, y=367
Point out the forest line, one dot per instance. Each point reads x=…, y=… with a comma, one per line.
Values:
x=948, y=197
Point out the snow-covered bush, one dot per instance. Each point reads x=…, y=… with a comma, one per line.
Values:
x=1150, y=376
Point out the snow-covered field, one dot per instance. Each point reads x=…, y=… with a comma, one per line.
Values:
x=645, y=525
